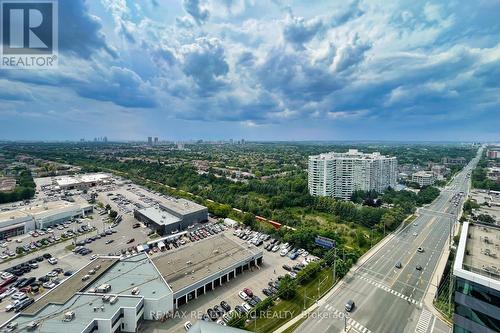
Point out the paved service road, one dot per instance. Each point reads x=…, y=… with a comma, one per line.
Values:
x=389, y=299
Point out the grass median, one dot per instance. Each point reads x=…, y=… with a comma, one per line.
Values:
x=285, y=310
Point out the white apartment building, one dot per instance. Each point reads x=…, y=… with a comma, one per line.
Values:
x=338, y=175
x=423, y=178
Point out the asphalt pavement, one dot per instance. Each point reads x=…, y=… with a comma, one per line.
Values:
x=390, y=299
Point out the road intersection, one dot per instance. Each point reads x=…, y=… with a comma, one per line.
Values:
x=390, y=299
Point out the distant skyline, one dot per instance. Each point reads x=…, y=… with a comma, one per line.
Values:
x=264, y=70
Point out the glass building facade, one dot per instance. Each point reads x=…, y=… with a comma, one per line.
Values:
x=477, y=308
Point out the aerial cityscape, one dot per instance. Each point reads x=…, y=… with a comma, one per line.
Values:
x=230, y=166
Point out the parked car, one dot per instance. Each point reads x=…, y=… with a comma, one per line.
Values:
x=243, y=295
x=225, y=306
x=248, y=292
x=18, y=296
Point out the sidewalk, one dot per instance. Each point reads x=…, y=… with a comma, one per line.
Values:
x=430, y=295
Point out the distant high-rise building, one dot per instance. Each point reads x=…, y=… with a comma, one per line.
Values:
x=156, y=140
x=105, y=139
x=150, y=140
x=338, y=175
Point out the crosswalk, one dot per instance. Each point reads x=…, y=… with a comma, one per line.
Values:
x=423, y=322
x=389, y=290
x=350, y=322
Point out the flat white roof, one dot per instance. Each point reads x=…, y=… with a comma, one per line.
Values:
x=159, y=215
x=79, y=179
x=478, y=257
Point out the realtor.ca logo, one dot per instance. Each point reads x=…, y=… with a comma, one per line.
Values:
x=29, y=34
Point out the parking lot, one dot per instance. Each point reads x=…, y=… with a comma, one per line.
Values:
x=256, y=280
x=489, y=203
x=109, y=237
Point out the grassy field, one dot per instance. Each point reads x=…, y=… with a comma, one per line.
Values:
x=284, y=310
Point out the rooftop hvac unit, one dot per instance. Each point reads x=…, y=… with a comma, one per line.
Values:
x=135, y=291
x=31, y=326
x=69, y=316
x=104, y=288
x=113, y=300
x=106, y=298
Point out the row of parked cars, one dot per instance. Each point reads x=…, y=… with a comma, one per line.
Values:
x=252, y=237
x=26, y=267
x=222, y=313
x=205, y=231
x=18, y=288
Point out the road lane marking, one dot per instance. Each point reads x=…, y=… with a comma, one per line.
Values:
x=423, y=322
x=391, y=291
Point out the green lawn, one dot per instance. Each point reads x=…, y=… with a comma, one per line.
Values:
x=284, y=310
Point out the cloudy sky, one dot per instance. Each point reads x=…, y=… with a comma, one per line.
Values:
x=264, y=70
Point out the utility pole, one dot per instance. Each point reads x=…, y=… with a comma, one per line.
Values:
x=450, y=292
x=334, y=266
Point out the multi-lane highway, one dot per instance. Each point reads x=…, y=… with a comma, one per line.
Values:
x=390, y=299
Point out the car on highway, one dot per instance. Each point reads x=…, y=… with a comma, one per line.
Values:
x=398, y=264
x=415, y=234
x=420, y=249
x=418, y=268
x=131, y=240
x=349, y=306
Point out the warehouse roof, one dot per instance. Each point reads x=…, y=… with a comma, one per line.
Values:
x=134, y=272
x=181, y=206
x=159, y=215
x=63, y=292
x=195, y=261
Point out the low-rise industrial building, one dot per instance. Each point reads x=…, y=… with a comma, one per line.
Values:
x=108, y=295
x=197, y=268
x=477, y=279
x=113, y=295
x=81, y=182
x=27, y=218
x=423, y=178
x=172, y=215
